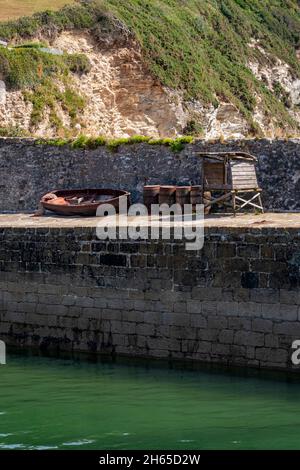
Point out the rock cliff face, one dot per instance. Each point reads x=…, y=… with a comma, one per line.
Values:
x=278, y=78
x=123, y=99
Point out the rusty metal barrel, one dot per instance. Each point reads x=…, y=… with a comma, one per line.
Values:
x=150, y=195
x=196, y=195
x=183, y=195
x=167, y=195
x=198, y=198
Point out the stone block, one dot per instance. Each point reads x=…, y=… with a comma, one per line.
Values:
x=52, y=289
x=145, y=329
x=74, y=311
x=150, y=295
x=193, y=306
x=249, y=250
x=226, y=336
x=136, y=294
x=249, y=280
x=220, y=349
x=250, y=352
x=50, y=299
x=289, y=297
x=179, y=307
x=271, y=341
x=198, y=321
x=249, y=309
x=238, y=350
x=108, y=314
x=133, y=316
x=155, y=344
x=68, y=299
x=264, y=326
x=153, y=317
x=289, y=312
x=100, y=303
x=241, y=295
x=118, y=340
x=17, y=317
x=217, y=322
x=209, y=308
x=268, y=296
x=206, y=334
x=34, y=319
x=85, y=302
x=113, y=259
x=176, y=319
x=203, y=347
x=239, y=323
x=174, y=344
x=90, y=312
x=249, y=338
x=287, y=328
x=226, y=250
x=272, y=356
x=282, y=312
x=165, y=330
x=227, y=308
x=82, y=323
x=207, y=293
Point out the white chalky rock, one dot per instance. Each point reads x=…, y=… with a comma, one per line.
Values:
x=2, y=93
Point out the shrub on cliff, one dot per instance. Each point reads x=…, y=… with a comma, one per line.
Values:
x=200, y=47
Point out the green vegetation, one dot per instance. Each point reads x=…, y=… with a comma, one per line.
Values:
x=198, y=46
x=193, y=128
x=26, y=67
x=84, y=142
x=12, y=132
x=70, y=17
x=30, y=45
x=47, y=95
x=30, y=69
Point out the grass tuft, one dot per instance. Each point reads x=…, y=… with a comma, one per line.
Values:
x=91, y=143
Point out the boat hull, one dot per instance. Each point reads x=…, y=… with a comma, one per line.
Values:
x=101, y=196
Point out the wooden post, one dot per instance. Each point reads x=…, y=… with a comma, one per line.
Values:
x=234, y=203
x=202, y=180
x=260, y=202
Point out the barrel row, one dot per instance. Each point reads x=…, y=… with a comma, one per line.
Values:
x=174, y=194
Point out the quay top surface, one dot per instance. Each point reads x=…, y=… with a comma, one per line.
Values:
x=268, y=220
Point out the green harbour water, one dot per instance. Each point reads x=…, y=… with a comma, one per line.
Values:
x=48, y=403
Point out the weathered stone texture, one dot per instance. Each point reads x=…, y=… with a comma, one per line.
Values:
x=32, y=170
x=2, y=93
x=63, y=289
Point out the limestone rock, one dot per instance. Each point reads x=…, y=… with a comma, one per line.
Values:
x=2, y=93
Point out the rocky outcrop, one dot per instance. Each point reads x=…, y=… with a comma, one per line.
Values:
x=124, y=99
x=279, y=79
x=2, y=93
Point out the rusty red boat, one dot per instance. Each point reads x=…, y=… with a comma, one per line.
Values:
x=83, y=202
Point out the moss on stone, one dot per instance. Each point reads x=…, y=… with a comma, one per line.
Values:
x=85, y=142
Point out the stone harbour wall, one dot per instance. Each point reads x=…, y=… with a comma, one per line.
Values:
x=236, y=301
x=29, y=170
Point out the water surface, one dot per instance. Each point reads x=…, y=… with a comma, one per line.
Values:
x=48, y=403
